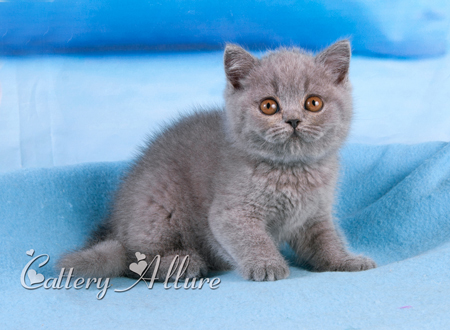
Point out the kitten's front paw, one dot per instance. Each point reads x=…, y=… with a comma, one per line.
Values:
x=265, y=270
x=355, y=264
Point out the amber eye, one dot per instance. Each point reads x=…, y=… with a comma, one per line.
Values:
x=269, y=106
x=314, y=103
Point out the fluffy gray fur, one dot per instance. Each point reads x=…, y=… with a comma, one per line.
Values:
x=227, y=187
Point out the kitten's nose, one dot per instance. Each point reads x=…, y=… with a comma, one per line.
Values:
x=293, y=122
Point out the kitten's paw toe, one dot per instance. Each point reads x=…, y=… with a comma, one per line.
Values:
x=265, y=270
x=356, y=264
x=197, y=268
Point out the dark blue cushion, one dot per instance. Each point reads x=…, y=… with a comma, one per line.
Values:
x=396, y=28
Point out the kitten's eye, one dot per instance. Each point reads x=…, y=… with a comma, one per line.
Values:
x=269, y=106
x=314, y=103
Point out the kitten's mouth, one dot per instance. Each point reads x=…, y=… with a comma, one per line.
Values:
x=295, y=137
x=295, y=134
x=305, y=135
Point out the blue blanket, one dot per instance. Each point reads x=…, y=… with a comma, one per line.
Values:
x=393, y=205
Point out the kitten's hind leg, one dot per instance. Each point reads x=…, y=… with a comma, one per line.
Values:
x=196, y=266
x=320, y=248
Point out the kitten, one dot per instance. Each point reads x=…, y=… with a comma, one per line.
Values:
x=228, y=187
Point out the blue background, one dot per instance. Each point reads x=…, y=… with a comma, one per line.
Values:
x=393, y=28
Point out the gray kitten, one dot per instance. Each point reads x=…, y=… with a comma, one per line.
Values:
x=228, y=187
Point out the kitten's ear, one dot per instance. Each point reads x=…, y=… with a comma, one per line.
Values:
x=238, y=64
x=337, y=59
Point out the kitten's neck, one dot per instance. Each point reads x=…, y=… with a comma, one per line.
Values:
x=326, y=159
x=300, y=175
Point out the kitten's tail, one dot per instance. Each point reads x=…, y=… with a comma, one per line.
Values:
x=104, y=259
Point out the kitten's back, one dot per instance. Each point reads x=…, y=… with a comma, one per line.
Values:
x=187, y=151
x=173, y=181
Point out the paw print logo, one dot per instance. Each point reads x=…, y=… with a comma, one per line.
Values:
x=140, y=266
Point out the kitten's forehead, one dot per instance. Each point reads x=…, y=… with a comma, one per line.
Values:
x=287, y=70
x=287, y=59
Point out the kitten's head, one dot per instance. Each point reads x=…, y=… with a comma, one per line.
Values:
x=288, y=106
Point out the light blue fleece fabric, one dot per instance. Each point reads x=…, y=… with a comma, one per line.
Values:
x=393, y=205
x=61, y=110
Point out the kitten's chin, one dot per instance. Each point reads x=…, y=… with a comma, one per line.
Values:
x=292, y=151
x=287, y=148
